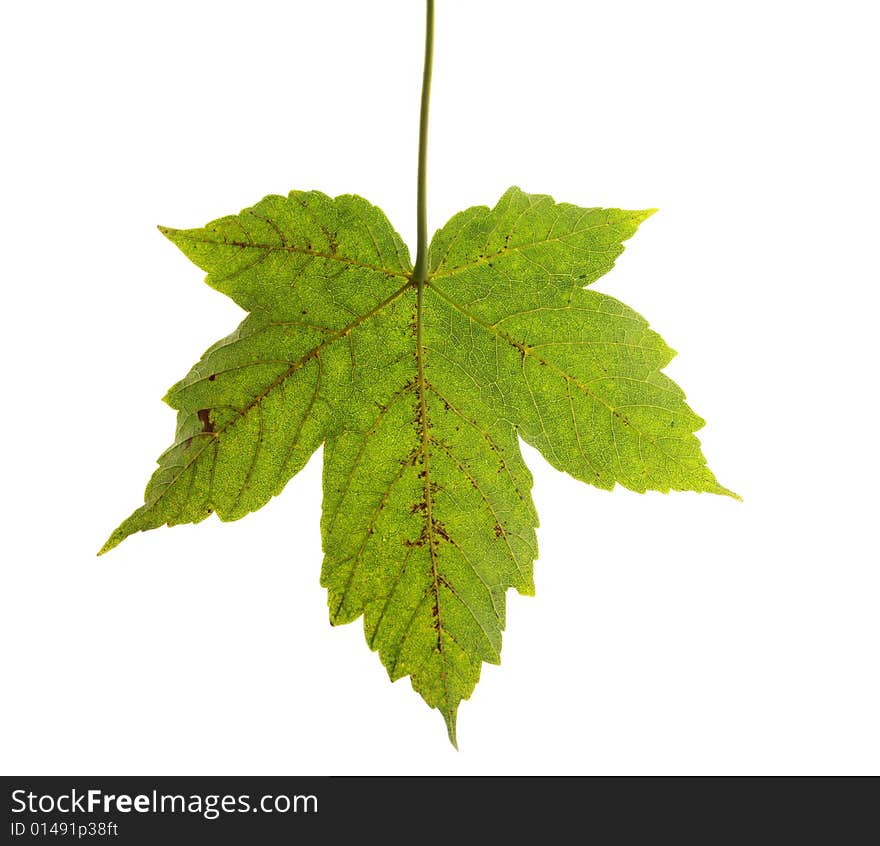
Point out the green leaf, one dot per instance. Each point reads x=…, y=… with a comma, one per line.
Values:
x=419, y=393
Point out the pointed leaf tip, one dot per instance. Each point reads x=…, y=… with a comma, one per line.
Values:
x=111, y=542
x=449, y=718
x=173, y=235
x=639, y=216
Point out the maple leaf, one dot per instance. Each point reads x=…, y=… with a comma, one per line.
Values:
x=419, y=391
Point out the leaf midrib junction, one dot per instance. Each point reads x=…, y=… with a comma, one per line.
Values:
x=421, y=382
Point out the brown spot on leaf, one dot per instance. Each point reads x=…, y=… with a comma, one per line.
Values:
x=204, y=415
x=440, y=531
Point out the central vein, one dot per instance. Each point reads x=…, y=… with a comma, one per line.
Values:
x=421, y=385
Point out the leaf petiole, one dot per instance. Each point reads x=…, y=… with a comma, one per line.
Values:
x=420, y=272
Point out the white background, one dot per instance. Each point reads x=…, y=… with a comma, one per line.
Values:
x=669, y=634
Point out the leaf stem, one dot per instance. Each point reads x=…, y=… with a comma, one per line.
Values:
x=420, y=272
